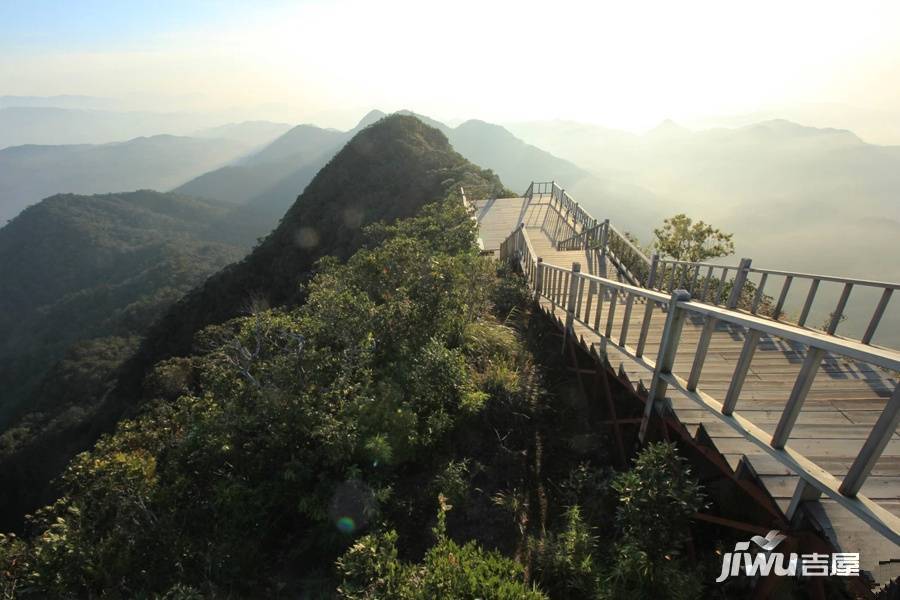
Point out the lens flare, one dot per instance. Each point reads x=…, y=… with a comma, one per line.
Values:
x=346, y=525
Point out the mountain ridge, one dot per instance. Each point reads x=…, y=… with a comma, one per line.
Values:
x=31, y=172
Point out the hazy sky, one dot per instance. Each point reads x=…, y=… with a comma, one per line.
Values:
x=623, y=64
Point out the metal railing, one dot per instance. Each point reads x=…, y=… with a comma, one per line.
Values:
x=582, y=297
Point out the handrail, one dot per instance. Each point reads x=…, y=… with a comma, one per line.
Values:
x=571, y=227
x=795, y=274
x=672, y=273
x=627, y=257
x=576, y=292
x=583, y=239
x=473, y=213
x=468, y=205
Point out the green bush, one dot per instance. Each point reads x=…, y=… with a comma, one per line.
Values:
x=289, y=434
x=371, y=570
x=643, y=557
x=657, y=498
x=568, y=561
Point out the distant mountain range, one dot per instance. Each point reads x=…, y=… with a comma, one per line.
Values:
x=51, y=125
x=765, y=181
x=259, y=165
x=255, y=134
x=30, y=173
x=760, y=181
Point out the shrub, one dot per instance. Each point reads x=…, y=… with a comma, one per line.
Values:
x=566, y=561
x=371, y=570
x=657, y=498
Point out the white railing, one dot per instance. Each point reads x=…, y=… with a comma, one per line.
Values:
x=582, y=297
x=575, y=217
x=747, y=286
x=473, y=213
x=740, y=286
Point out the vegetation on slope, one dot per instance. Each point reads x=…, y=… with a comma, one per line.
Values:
x=305, y=451
x=119, y=261
x=81, y=279
x=79, y=267
x=384, y=173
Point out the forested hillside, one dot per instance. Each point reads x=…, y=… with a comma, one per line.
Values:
x=93, y=266
x=104, y=268
x=383, y=173
x=390, y=437
x=81, y=279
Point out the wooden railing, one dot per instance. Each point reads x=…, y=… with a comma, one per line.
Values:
x=744, y=287
x=566, y=207
x=631, y=262
x=739, y=286
x=582, y=297
x=470, y=208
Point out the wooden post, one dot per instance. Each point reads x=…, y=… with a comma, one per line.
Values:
x=700, y=355
x=751, y=341
x=782, y=297
x=871, y=451
x=810, y=298
x=570, y=304
x=839, y=309
x=604, y=240
x=876, y=318
x=539, y=280
x=520, y=242
x=668, y=345
x=739, y=280
x=651, y=276
x=801, y=387
x=802, y=493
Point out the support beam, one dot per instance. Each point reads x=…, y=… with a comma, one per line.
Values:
x=798, y=396
x=574, y=280
x=751, y=341
x=804, y=492
x=666, y=358
x=702, y=348
x=874, y=446
x=738, y=286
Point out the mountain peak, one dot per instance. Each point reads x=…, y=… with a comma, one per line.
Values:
x=372, y=116
x=667, y=129
x=385, y=172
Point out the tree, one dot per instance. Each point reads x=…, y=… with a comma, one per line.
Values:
x=682, y=239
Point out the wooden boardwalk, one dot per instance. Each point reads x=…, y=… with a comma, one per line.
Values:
x=843, y=403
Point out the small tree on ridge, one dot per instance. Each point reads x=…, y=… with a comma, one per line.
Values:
x=682, y=239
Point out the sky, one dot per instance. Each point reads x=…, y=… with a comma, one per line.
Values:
x=621, y=64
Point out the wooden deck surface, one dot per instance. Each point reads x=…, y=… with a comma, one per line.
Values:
x=845, y=400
